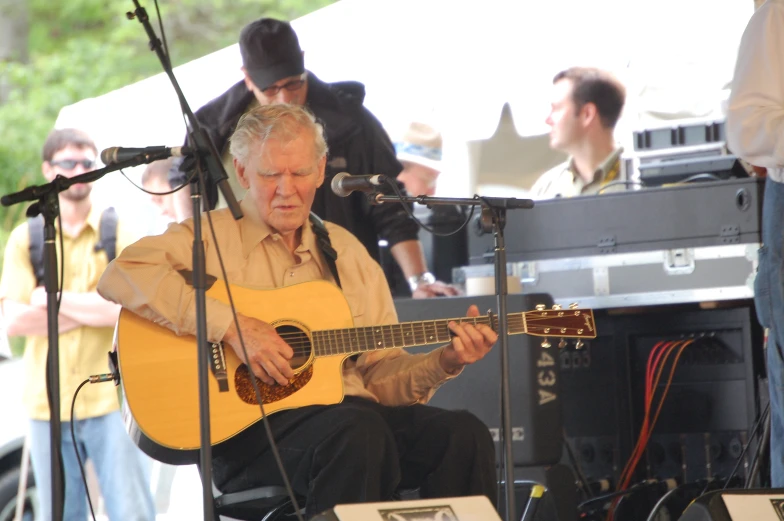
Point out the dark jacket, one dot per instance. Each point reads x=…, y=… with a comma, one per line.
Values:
x=357, y=144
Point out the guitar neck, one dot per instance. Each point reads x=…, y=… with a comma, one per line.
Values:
x=406, y=334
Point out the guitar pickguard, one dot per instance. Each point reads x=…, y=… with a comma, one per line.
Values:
x=269, y=393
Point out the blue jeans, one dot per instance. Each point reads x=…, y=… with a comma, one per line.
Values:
x=769, y=301
x=122, y=469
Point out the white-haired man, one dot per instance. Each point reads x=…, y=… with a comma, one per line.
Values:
x=375, y=437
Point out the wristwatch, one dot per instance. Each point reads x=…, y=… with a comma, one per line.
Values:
x=417, y=280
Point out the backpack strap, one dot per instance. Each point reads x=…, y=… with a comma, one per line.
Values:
x=107, y=233
x=107, y=240
x=325, y=245
x=35, y=226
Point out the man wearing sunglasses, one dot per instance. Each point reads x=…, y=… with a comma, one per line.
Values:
x=86, y=323
x=274, y=69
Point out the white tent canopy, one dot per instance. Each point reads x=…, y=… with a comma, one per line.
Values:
x=457, y=63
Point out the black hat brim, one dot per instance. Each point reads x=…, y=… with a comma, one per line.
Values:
x=264, y=78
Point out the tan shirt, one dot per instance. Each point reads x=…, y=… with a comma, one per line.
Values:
x=145, y=280
x=564, y=180
x=83, y=351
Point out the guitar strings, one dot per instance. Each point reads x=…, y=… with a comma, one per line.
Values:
x=395, y=329
x=389, y=330
x=301, y=344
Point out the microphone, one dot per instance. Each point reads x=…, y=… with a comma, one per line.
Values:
x=113, y=155
x=344, y=183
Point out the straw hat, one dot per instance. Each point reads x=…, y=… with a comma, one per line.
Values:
x=421, y=144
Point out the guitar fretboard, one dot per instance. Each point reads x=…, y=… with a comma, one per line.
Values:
x=407, y=334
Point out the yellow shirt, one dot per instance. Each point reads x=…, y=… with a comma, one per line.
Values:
x=83, y=351
x=145, y=280
x=564, y=181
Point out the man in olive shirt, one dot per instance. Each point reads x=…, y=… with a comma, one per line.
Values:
x=381, y=437
x=86, y=322
x=586, y=106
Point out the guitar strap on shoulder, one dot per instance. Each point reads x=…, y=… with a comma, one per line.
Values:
x=325, y=245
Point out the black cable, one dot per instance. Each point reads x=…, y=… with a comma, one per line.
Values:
x=254, y=383
x=410, y=213
x=583, y=481
x=163, y=34
x=76, y=448
x=662, y=500
x=761, y=447
x=754, y=431
x=620, y=493
x=185, y=184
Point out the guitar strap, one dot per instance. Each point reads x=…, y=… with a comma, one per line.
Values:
x=325, y=245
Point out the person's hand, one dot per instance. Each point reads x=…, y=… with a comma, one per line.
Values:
x=470, y=343
x=38, y=297
x=436, y=289
x=268, y=354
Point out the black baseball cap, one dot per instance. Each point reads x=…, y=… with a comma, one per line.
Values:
x=270, y=51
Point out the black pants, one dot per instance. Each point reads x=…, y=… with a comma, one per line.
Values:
x=360, y=451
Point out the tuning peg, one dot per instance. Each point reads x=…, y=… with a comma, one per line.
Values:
x=540, y=307
x=556, y=306
x=562, y=343
x=546, y=344
x=579, y=344
x=574, y=305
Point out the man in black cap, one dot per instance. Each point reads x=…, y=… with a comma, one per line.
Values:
x=274, y=70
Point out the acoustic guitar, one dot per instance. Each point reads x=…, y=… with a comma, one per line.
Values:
x=158, y=369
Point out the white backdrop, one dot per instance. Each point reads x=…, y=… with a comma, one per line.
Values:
x=455, y=64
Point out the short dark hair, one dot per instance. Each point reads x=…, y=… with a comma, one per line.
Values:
x=591, y=85
x=61, y=138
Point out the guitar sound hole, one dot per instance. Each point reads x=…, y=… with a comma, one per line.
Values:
x=299, y=342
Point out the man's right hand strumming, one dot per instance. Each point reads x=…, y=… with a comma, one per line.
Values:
x=268, y=354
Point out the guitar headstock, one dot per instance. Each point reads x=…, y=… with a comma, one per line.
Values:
x=560, y=323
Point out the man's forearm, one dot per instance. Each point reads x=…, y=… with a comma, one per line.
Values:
x=89, y=309
x=26, y=320
x=410, y=257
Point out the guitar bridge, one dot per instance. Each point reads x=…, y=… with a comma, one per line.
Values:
x=218, y=366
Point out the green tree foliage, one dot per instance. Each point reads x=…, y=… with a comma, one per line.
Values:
x=84, y=48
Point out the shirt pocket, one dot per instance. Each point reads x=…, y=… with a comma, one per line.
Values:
x=357, y=303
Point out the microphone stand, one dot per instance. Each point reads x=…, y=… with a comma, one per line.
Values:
x=492, y=218
x=207, y=158
x=47, y=204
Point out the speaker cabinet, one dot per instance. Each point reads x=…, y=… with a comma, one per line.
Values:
x=535, y=387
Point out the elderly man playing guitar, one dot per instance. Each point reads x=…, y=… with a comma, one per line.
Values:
x=349, y=428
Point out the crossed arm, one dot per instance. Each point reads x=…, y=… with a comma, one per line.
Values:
x=76, y=310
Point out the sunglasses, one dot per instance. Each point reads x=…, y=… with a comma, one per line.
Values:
x=290, y=86
x=70, y=164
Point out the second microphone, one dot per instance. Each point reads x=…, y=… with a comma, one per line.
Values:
x=113, y=155
x=344, y=183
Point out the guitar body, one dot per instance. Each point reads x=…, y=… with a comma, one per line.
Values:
x=159, y=370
